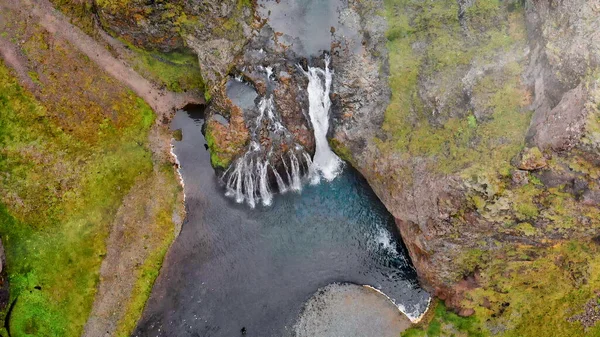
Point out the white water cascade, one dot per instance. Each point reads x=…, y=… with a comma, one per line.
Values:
x=325, y=162
x=248, y=178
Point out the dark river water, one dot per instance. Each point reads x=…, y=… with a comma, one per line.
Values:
x=233, y=267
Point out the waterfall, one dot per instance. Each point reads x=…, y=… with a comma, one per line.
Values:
x=319, y=85
x=313, y=176
x=296, y=183
x=249, y=179
x=265, y=193
x=280, y=184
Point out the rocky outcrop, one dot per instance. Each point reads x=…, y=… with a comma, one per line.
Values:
x=216, y=31
x=493, y=119
x=361, y=90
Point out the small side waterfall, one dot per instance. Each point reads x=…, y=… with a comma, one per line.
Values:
x=319, y=85
x=252, y=177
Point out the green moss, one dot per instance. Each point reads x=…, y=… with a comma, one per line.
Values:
x=460, y=142
x=524, y=202
x=526, y=228
x=341, y=150
x=447, y=323
x=59, y=198
x=479, y=202
x=113, y=4
x=81, y=14
x=533, y=292
x=177, y=71
x=470, y=260
x=218, y=159
x=178, y=135
x=525, y=291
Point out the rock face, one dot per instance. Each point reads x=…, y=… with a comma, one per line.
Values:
x=216, y=31
x=361, y=90
x=494, y=116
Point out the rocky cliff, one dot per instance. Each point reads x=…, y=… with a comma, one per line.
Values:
x=488, y=152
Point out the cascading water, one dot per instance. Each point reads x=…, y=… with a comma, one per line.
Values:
x=319, y=85
x=248, y=178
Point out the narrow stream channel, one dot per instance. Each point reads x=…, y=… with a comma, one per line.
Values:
x=235, y=268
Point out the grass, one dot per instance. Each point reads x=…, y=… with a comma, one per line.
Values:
x=526, y=292
x=147, y=274
x=178, y=71
x=447, y=323
x=158, y=233
x=60, y=192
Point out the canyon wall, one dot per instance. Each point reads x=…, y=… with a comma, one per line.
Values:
x=489, y=148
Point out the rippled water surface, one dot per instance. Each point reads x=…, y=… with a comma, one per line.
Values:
x=233, y=267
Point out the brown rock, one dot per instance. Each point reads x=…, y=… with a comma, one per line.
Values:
x=531, y=159
x=466, y=312
x=520, y=177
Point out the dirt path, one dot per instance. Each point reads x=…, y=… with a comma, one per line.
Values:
x=162, y=101
x=14, y=59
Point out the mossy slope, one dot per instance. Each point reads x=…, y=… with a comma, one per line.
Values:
x=498, y=226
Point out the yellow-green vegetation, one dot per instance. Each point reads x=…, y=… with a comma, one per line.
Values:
x=171, y=17
x=147, y=274
x=529, y=290
x=446, y=323
x=218, y=158
x=178, y=71
x=531, y=278
x=341, y=150
x=113, y=4
x=526, y=291
x=71, y=148
x=426, y=40
x=60, y=190
x=80, y=12
x=226, y=142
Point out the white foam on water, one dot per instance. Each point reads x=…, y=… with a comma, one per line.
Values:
x=179, y=175
x=384, y=239
x=414, y=316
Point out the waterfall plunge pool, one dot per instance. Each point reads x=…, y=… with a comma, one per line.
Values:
x=234, y=268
